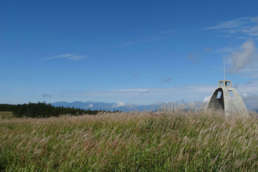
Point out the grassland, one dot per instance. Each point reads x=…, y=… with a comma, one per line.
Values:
x=130, y=142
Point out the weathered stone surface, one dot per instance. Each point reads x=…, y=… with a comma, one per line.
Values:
x=226, y=98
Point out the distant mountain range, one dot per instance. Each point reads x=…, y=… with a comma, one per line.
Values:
x=129, y=107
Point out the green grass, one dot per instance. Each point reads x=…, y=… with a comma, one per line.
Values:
x=130, y=142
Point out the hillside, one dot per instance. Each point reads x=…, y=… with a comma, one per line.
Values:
x=130, y=142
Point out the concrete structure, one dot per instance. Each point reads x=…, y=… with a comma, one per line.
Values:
x=226, y=99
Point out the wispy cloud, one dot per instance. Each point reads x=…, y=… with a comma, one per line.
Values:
x=230, y=24
x=241, y=60
x=244, y=57
x=67, y=56
x=246, y=26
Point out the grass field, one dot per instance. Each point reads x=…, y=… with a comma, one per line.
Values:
x=130, y=142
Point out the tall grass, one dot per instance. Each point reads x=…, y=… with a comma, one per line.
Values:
x=130, y=142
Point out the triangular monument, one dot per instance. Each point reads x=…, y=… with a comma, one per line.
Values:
x=226, y=99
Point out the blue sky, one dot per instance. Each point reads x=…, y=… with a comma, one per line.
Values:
x=136, y=52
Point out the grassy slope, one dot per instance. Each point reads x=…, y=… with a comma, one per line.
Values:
x=130, y=142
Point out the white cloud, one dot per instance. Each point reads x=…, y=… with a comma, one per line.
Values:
x=67, y=56
x=246, y=26
x=241, y=60
x=90, y=105
x=119, y=104
x=251, y=31
x=230, y=24
x=243, y=57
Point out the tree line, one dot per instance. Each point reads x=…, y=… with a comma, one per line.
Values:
x=43, y=110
